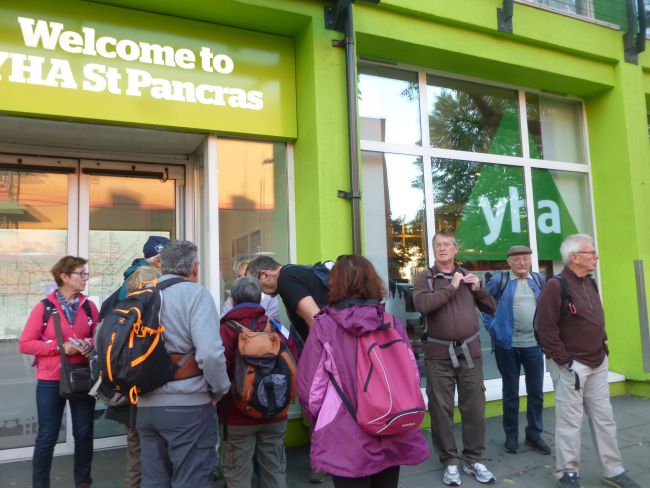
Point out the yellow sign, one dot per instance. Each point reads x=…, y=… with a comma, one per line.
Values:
x=73, y=59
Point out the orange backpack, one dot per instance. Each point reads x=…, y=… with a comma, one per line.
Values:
x=264, y=378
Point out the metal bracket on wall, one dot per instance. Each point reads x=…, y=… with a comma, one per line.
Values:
x=634, y=38
x=334, y=18
x=504, y=16
x=643, y=313
x=348, y=195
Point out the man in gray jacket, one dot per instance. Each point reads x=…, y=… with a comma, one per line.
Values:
x=177, y=422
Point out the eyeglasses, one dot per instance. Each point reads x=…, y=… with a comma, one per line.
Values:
x=82, y=274
x=593, y=253
x=520, y=259
x=444, y=245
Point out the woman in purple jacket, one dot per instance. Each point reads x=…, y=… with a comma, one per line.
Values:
x=338, y=445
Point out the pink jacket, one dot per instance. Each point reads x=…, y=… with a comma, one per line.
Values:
x=42, y=343
x=338, y=445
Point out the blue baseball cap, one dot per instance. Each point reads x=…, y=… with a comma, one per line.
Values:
x=154, y=245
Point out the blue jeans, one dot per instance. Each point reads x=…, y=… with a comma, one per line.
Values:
x=50, y=408
x=509, y=362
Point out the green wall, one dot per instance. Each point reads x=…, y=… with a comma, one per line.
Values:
x=547, y=51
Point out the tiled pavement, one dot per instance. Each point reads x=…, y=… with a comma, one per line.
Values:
x=525, y=469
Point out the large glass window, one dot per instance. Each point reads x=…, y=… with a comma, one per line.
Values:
x=389, y=105
x=471, y=117
x=554, y=129
x=562, y=208
x=33, y=236
x=395, y=239
x=474, y=176
x=253, y=204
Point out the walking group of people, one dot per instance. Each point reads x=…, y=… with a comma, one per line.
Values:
x=173, y=434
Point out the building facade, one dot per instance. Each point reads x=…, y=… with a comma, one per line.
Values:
x=227, y=123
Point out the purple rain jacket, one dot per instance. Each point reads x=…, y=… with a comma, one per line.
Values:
x=338, y=445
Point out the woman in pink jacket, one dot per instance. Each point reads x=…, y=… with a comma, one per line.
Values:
x=78, y=321
x=339, y=446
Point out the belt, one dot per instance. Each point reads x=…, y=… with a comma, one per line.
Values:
x=452, y=349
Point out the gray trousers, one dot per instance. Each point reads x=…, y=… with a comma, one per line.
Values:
x=177, y=446
x=570, y=406
x=267, y=442
x=442, y=381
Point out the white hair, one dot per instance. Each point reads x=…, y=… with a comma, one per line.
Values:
x=571, y=245
x=150, y=261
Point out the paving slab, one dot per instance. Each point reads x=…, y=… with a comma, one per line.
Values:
x=526, y=469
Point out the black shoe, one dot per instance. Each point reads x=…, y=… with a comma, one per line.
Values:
x=539, y=445
x=316, y=477
x=511, y=444
x=620, y=481
x=569, y=480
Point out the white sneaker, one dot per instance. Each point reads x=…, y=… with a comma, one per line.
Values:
x=480, y=472
x=451, y=476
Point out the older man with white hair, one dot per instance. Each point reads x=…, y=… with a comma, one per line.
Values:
x=571, y=329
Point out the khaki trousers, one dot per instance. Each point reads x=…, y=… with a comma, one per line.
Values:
x=570, y=406
x=267, y=442
x=132, y=475
x=442, y=381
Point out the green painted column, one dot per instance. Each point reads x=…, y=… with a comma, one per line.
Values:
x=620, y=158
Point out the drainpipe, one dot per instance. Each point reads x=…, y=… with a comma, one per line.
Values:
x=339, y=17
x=353, y=128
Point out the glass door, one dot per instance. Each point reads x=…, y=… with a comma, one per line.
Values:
x=50, y=207
x=37, y=227
x=121, y=205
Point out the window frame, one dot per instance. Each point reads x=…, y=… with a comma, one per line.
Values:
x=493, y=386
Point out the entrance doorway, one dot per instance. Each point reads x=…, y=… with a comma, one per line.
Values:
x=50, y=207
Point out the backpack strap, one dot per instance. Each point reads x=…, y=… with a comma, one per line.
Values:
x=537, y=279
x=565, y=293
x=48, y=308
x=89, y=314
x=503, y=283
x=161, y=285
x=346, y=401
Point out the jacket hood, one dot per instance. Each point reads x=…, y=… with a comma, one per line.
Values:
x=356, y=316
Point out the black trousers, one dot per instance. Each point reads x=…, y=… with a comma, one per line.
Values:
x=388, y=478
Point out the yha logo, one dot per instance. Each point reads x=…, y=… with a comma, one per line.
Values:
x=547, y=223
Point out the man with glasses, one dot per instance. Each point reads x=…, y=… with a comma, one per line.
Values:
x=571, y=328
x=513, y=341
x=447, y=296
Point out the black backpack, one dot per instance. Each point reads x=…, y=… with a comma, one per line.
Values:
x=505, y=279
x=130, y=346
x=320, y=270
x=567, y=299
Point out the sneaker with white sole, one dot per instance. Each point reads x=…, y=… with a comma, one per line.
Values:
x=480, y=472
x=451, y=476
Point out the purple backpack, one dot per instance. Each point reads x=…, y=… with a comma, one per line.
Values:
x=389, y=399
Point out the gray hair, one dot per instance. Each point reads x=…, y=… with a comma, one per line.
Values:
x=445, y=233
x=262, y=263
x=178, y=257
x=571, y=245
x=150, y=261
x=246, y=290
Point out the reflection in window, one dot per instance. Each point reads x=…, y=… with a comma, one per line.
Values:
x=555, y=130
x=389, y=105
x=467, y=116
x=561, y=209
x=394, y=235
x=485, y=205
x=584, y=8
x=253, y=205
x=33, y=236
x=123, y=213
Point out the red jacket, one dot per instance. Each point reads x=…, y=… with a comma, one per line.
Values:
x=42, y=343
x=245, y=314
